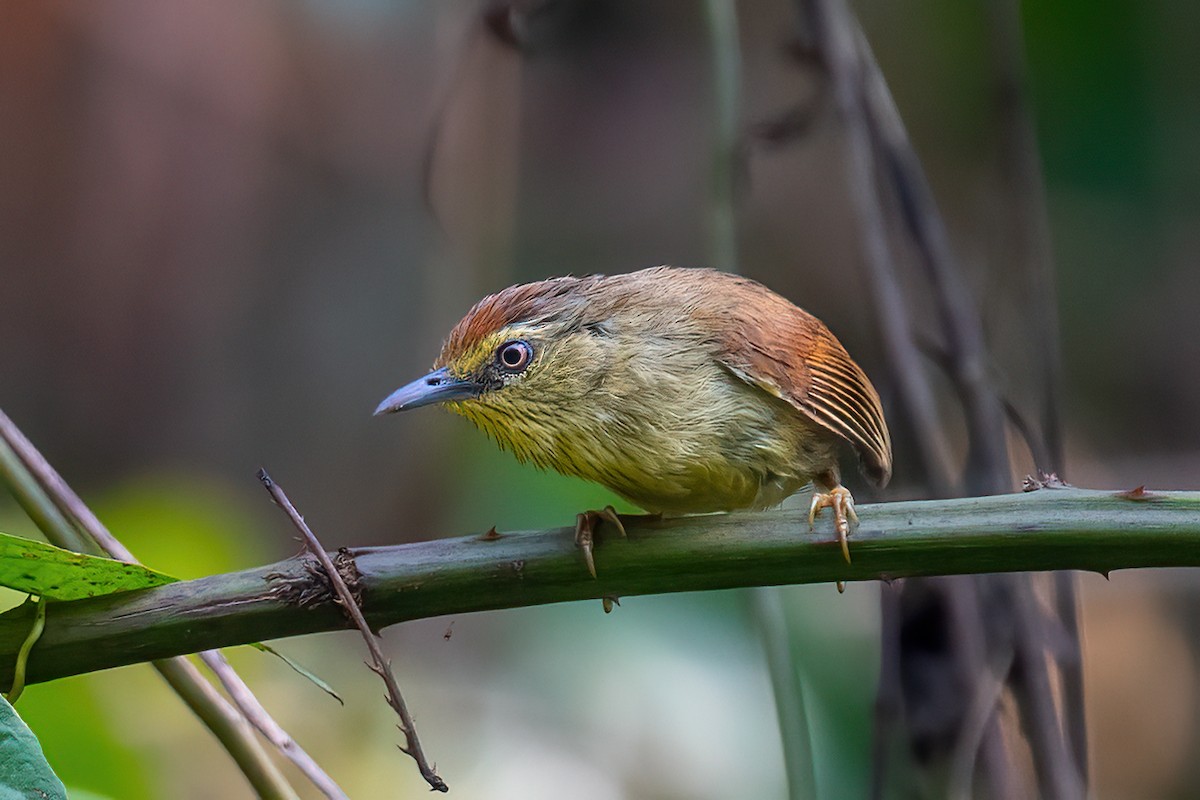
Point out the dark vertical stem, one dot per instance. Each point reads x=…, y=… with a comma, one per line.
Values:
x=1027, y=232
x=1026, y=227
x=1070, y=666
x=967, y=599
x=834, y=40
x=962, y=327
x=988, y=465
x=1056, y=772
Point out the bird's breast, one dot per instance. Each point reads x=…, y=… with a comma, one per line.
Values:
x=692, y=444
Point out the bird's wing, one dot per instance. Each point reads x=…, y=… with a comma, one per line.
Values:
x=793, y=356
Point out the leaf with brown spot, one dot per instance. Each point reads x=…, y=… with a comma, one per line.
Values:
x=42, y=569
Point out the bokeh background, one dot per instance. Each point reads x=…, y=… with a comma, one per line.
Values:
x=228, y=229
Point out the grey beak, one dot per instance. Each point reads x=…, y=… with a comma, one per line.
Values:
x=438, y=386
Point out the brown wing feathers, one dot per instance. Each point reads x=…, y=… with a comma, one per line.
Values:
x=792, y=355
x=841, y=397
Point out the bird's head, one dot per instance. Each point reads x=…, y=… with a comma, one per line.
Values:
x=514, y=364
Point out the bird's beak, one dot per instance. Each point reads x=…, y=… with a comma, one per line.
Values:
x=438, y=386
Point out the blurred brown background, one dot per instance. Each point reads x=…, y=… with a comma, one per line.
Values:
x=228, y=229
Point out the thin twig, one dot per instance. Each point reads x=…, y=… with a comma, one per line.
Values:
x=766, y=605
x=442, y=98
x=1056, y=770
x=724, y=47
x=261, y=719
x=229, y=727
x=1070, y=667
x=69, y=522
x=69, y=504
x=380, y=666
x=889, y=695
x=37, y=505
x=981, y=711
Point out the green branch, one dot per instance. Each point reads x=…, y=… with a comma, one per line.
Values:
x=1050, y=529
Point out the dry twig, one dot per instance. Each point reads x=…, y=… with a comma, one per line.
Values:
x=380, y=665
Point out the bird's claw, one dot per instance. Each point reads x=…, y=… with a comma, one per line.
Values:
x=842, y=502
x=585, y=527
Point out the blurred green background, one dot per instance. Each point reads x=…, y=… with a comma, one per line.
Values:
x=227, y=230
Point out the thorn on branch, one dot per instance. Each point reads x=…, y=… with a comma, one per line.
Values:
x=1139, y=495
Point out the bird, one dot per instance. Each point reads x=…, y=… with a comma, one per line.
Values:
x=682, y=390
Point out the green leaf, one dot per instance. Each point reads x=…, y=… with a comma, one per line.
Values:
x=24, y=773
x=300, y=670
x=56, y=574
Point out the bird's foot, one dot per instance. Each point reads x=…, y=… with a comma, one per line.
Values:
x=585, y=528
x=842, y=502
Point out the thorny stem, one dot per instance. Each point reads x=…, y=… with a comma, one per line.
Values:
x=1047, y=529
x=380, y=665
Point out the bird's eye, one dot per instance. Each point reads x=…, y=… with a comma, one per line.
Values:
x=514, y=356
